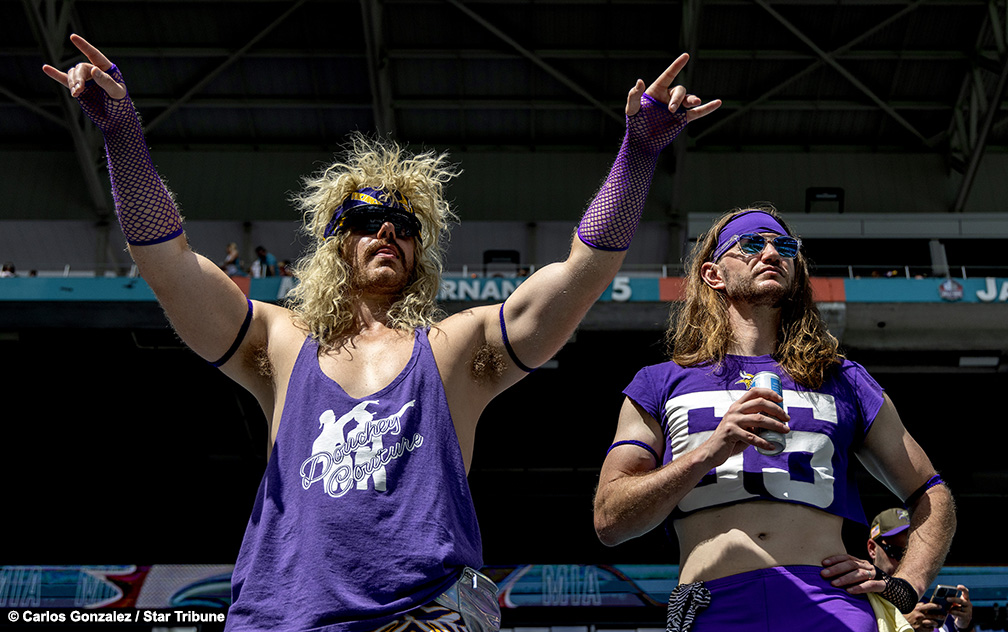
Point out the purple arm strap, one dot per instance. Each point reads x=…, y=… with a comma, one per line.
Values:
x=507, y=344
x=639, y=444
x=146, y=210
x=238, y=339
x=613, y=216
x=914, y=497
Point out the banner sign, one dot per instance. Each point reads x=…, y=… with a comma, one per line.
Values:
x=161, y=586
x=197, y=588
x=623, y=289
x=900, y=290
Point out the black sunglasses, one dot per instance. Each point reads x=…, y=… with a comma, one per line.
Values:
x=369, y=220
x=893, y=551
x=754, y=243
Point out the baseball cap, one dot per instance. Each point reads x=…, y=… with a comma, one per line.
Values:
x=890, y=522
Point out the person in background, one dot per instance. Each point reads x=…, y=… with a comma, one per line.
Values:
x=232, y=264
x=267, y=263
x=887, y=543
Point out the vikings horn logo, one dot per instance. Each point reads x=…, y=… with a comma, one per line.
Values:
x=745, y=378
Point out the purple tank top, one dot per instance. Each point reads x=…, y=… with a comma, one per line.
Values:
x=364, y=510
x=828, y=425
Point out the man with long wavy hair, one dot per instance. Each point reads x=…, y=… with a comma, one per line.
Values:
x=363, y=520
x=759, y=529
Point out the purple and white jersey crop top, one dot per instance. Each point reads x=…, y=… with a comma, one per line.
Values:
x=827, y=424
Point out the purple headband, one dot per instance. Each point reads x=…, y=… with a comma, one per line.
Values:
x=753, y=221
x=369, y=198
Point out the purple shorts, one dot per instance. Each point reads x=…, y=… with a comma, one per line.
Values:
x=783, y=599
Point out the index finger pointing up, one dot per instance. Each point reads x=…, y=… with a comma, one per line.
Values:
x=93, y=54
x=665, y=80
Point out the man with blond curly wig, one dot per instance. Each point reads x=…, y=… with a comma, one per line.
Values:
x=759, y=527
x=363, y=520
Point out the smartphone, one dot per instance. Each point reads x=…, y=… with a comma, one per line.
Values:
x=940, y=596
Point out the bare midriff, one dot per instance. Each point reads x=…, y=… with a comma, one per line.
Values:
x=748, y=536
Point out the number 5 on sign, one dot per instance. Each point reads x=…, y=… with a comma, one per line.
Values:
x=621, y=291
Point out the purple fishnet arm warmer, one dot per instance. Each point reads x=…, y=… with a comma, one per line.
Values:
x=612, y=218
x=145, y=207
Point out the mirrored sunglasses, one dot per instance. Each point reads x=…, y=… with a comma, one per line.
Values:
x=893, y=551
x=754, y=243
x=370, y=220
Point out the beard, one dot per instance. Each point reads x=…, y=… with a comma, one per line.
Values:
x=744, y=288
x=384, y=279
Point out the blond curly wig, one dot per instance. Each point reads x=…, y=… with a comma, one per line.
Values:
x=700, y=333
x=322, y=299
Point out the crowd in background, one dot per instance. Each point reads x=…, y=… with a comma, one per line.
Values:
x=264, y=264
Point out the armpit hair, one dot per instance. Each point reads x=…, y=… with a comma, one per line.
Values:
x=488, y=363
x=260, y=361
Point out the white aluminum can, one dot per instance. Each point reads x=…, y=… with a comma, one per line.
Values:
x=769, y=379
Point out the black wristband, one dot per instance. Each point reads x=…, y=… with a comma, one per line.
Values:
x=897, y=591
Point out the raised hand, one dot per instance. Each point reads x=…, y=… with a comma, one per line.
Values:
x=654, y=120
x=96, y=68
x=145, y=207
x=662, y=91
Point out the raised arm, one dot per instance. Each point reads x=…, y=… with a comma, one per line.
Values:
x=896, y=459
x=204, y=306
x=543, y=312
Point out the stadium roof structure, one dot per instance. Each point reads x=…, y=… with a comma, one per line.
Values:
x=858, y=76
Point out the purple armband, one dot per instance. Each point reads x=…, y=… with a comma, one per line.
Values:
x=919, y=493
x=639, y=444
x=507, y=344
x=238, y=339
